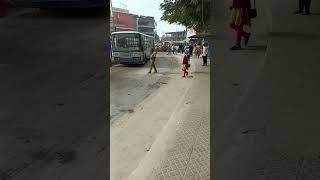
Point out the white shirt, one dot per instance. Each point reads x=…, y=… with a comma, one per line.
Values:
x=205, y=50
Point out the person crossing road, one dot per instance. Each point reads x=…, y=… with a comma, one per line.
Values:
x=152, y=60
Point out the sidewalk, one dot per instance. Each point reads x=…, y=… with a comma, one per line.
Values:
x=273, y=129
x=182, y=150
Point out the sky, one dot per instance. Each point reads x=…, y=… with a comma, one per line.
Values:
x=148, y=8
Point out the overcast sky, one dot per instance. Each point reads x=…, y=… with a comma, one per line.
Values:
x=148, y=8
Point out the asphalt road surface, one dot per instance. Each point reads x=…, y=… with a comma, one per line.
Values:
x=53, y=88
x=130, y=85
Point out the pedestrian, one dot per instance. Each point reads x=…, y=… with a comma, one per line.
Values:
x=169, y=49
x=152, y=60
x=173, y=49
x=205, y=54
x=190, y=50
x=181, y=48
x=186, y=48
x=304, y=4
x=185, y=65
x=239, y=18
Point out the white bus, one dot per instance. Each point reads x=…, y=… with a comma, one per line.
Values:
x=131, y=47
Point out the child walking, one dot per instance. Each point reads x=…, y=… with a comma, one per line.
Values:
x=185, y=64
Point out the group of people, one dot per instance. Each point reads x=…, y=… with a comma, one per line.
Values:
x=240, y=17
x=185, y=60
x=172, y=49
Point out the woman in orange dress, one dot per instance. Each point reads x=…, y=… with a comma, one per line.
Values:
x=185, y=65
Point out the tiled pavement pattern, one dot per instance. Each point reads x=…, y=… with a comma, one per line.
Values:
x=189, y=158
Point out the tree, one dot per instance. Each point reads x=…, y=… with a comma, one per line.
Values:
x=189, y=13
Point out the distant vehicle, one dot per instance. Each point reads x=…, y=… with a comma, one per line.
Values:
x=131, y=47
x=70, y=4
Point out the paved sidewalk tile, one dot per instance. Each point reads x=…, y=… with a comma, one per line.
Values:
x=189, y=158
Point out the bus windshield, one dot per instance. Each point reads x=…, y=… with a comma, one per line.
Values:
x=126, y=42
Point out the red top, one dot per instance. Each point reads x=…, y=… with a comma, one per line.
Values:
x=185, y=60
x=241, y=4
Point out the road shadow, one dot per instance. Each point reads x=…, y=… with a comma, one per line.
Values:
x=65, y=14
x=293, y=35
x=257, y=48
x=315, y=14
x=198, y=72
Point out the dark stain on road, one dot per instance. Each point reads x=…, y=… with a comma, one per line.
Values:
x=100, y=77
x=251, y=131
x=6, y=174
x=86, y=76
x=60, y=104
x=154, y=86
x=235, y=84
x=24, y=140
x=127, y=110
x=40, y=155
x=102, y=149
x=65, y=156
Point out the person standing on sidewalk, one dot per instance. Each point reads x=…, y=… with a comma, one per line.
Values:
x=190, y=49
x=304, y=4
x=173, y=49
x=240, y=18
x=185, y=65
x=169, y=49
x=205, y=54
x=181, y=48
x=152, y=60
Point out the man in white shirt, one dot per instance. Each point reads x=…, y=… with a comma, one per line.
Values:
x=205, y=54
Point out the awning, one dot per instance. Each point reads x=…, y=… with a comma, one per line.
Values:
x=200, y=35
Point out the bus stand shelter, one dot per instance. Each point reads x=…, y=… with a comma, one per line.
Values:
x=203, y=36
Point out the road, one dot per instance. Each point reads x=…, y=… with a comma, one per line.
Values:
x=130, y=85
x=142, y=104
x=53, y=92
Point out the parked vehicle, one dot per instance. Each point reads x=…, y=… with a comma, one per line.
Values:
x=131, y=47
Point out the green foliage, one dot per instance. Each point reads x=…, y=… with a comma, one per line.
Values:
x=187, y=13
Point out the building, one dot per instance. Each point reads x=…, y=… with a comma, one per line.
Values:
x=146, y=25
x=115, y=9
x=175, y=36
x=123, y=20
x=111, y=19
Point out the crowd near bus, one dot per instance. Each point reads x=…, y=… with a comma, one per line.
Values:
x=132, y=47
